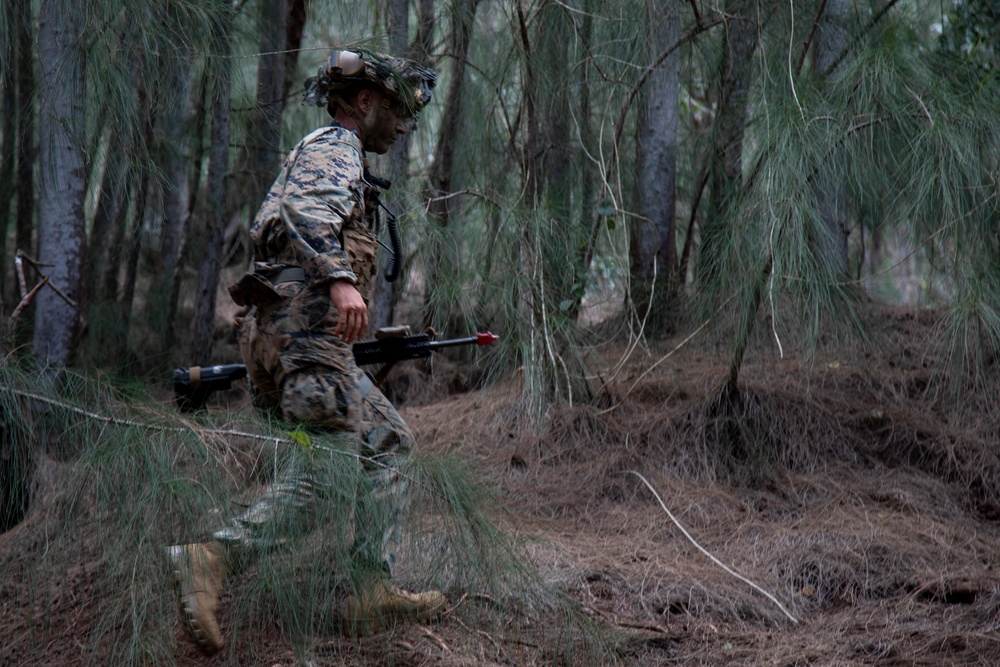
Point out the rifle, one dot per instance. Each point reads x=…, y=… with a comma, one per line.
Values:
x=192, y=386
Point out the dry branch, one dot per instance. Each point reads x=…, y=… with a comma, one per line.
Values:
x=707, y=553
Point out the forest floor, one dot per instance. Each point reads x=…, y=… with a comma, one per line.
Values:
x=849, y=506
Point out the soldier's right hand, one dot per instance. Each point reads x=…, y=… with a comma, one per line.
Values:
x=352, y=313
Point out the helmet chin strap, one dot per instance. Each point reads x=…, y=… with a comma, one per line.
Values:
x=349, y=110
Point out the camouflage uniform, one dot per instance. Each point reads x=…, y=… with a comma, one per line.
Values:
x=318, y=216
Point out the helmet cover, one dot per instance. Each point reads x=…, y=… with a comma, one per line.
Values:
x=400, y=78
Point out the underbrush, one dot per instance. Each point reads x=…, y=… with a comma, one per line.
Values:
x=112, y=478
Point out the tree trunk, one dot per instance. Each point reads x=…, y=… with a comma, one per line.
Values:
x=114, y=205
x=553, y=95
x=653, y=248
x=218, y=162
x=110, y=191
x=555, y=34
x=420, y=50
x=8, y=149
x=447, y=256
x=383, y=294
x=587, y=150
x=831, y=195
x=266, y=122
x=297, y=15
x=62, y=229
x=178, y=166
x=139, y=189
x=735, y=76
x=24, y=222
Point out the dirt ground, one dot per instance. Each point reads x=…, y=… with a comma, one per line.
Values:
x=837, y=512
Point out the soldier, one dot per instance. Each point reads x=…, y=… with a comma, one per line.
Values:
x=314, y=247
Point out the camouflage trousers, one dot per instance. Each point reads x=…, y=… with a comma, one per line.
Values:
x=309, y=377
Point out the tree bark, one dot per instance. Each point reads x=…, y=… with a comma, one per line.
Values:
x=8, y=149
x=266, y=122
x=653, y=248
x=298, y=12
x=420, y=49
x=443, y=174
x=114, y=206
x=24, y=222
x=138, y=190
x=735, y=76
x=218, y=162
x=443, y=169
x=831, y=195
x=109, y=200
x=176, y=122
x=63, y=184
x=384, y=293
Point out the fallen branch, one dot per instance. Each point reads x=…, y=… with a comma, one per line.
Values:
x=19, y=263
x=713, y=558
x=436, y=639
x=26, y=299
x=199, y=431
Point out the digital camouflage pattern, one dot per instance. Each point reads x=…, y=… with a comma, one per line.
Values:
x=317, y=205
x=287, y=506
x=402, y=79
x=318, y=216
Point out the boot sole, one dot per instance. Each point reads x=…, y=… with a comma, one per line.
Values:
x=179, y=559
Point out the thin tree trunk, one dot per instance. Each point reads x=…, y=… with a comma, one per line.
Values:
x=588, y=146
x=266, y=123
x=218, y=162
x=442, y=176
x=554, y=94
x=8, y=132
x=555, y=34
x=62, y=230
x=530, y=152
x=178, y=168
x=139, y=189
x=384, y=292
x=115, y=207
x=653, y=248
x=420, y=49
x=109, y=201
x=297, y=16
x=735, y=75
x=443, y=169
x=831, y=195
x=24, y=222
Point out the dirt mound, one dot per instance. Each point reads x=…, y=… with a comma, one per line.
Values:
x=840, y=512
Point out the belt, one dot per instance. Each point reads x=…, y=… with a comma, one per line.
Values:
x=293, y=274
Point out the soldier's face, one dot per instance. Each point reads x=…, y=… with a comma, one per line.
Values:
x=384, y=125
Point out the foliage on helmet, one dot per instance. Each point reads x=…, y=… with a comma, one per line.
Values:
x=400, y=78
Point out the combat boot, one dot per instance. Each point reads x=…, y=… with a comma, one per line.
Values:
x=199, y=571
x=379, y=605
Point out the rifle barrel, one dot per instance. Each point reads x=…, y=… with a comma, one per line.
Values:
x=482, y=339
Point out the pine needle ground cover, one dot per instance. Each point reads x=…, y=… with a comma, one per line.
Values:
x=854, y=492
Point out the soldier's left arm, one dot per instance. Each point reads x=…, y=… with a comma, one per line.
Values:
x=322, y=192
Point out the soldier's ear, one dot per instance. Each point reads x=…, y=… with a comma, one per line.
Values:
x=365, y=101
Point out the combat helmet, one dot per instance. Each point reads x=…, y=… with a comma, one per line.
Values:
x=402, y=79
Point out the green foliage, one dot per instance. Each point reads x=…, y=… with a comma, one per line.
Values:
x=913, y=138
x=972, y=30
x=904, y=128
x=133, y=480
